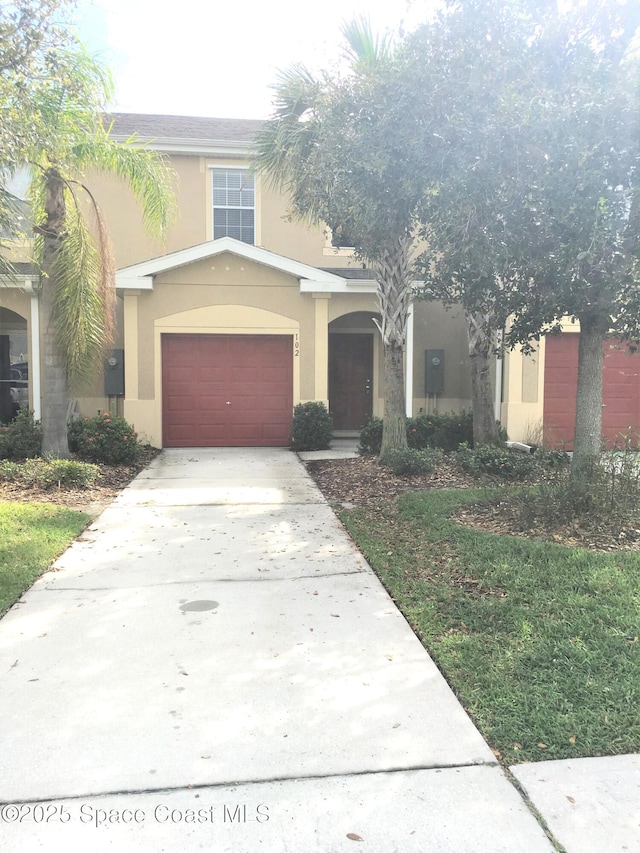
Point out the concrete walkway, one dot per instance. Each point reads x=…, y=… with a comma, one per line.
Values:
x=214, y=666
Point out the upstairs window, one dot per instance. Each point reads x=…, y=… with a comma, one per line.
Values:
x=233, y=204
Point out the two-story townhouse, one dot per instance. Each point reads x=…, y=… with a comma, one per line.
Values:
x=243, y=313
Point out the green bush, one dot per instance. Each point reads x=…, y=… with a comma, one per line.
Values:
x=312, y=427
x=9, y=471
x=412, y=461
x=68, y=472
x=446, y=431
x=371, y=438
x=49, y=472
x=105, y=438
x=22, y=438
x=603, y=497
x=551, y=460
x=497, y=461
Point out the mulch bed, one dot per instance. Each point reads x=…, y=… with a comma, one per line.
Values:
x=93, y=499
x=363, y=482
x=348, y=482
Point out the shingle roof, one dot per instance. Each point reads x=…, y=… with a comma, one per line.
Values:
x=209, y=130
x=350, y=272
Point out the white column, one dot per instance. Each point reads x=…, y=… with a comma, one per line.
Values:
x=34, y=357
x=321, y=355
x=408, y=365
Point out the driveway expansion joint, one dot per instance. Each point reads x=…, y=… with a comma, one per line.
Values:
x=200, y=786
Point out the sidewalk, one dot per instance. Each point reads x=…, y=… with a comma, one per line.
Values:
x=214, y=666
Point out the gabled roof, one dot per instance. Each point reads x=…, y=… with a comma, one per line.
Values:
x=186, y=134
x=140, y=276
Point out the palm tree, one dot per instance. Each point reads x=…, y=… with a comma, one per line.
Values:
x=77, y=270
x=332, y=145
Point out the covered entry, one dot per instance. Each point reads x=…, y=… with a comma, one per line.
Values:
x=227, y=390
x=351, y=370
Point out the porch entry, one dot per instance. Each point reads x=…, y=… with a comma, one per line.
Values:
x=350, y=380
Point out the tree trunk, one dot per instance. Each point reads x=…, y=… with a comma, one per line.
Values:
x=485, y=428
x=394, y=427
x=54, y=386
x=393, y=271
x=587, y=442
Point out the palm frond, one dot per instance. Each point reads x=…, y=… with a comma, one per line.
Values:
x=147, y=174
x=365, y=50
x=285, y=145
x=83, y=305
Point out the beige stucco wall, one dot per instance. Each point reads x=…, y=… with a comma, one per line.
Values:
x=436, y=327
x=192, y=186
x=223, y=295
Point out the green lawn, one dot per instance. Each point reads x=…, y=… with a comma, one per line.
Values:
x=31, y=537
x=539, y=641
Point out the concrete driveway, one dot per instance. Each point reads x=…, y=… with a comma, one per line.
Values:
x=213, y=665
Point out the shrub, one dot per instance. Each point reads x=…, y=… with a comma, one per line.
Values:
x=312, y=427
x=497, y=461
x=604, y=497
x=446, y=431
x=68, y=472
x=22, y=438
x=551, y=460
x=9, y=471
x=371, y=438
x=49, y=472
x=105, y=438
x=411, y=461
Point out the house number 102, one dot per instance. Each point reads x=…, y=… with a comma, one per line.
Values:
x=296, y=346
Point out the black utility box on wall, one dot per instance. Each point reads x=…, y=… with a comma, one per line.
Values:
x=434, y=371
x=114, y=374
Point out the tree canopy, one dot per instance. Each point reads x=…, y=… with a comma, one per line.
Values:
x=34, y=37
x=533, y=210
x=56, y=100
x=337, y=146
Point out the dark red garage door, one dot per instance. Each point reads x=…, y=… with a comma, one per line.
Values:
x=227, y=390
x=620, y=390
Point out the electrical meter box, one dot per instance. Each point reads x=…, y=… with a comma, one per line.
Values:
x=114, y=374
x=434, y=371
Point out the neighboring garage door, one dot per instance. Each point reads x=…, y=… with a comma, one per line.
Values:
x=620, y=390
x=227, y=390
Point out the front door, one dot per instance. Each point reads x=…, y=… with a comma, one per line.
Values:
x=350, y=380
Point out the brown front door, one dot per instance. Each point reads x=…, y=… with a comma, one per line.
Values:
x=350, y=380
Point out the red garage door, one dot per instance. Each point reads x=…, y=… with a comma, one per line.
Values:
x=620, y=390
x=227, y=390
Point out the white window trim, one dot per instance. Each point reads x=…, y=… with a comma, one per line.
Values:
x=228, y=168
x=329, y=250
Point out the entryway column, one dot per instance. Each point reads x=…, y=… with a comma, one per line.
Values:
x=322, y=347
x=408, y=365
x=131, y=344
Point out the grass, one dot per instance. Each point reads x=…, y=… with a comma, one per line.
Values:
x=31, y=537
x=539, y=641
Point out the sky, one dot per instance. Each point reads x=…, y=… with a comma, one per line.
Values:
x=219, y=57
